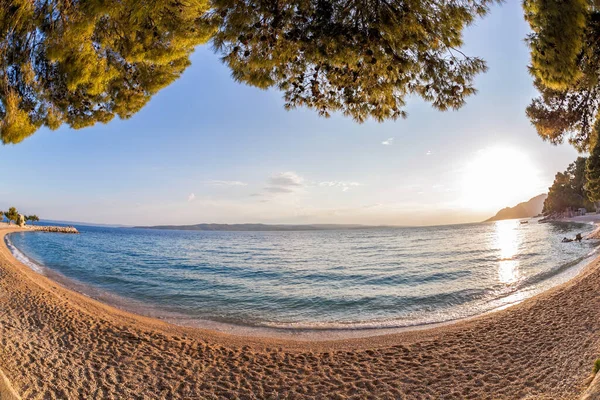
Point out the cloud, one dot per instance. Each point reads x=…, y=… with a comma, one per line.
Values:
x=191, y=197
x=278, y=189
x=286, y=179
x=376, y=205
x=341, y=184
x=428, y=153
x=388, y=141
x=284, y=182
x=291, y=182
x=225, y=183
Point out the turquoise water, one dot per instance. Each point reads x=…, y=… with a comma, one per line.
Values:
x=365, y=278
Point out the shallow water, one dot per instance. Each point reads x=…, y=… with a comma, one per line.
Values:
x=364, y=278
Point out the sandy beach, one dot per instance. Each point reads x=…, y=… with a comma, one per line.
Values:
x=58, y=344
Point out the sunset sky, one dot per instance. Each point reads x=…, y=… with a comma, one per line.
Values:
x=207, y=149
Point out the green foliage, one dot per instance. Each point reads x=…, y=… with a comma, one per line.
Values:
x=568, y=189
x=596, y=368
x=593, y=174
x=565, y=58
x=32, y=218
x=557, y=39
x=359, y=58
x=12, y=214
x=79, y=63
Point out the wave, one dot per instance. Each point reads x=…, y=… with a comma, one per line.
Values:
x=306, y=285
x=553, y=272
x=22, y=257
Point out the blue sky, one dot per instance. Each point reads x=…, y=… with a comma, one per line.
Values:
x=207, y=149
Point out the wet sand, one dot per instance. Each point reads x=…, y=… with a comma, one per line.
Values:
x=58, y=344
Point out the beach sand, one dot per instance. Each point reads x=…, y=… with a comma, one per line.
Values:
x=58, y=344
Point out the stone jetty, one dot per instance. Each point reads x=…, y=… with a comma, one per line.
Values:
x=59, y=229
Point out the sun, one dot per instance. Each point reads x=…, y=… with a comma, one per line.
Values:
x=499, y=177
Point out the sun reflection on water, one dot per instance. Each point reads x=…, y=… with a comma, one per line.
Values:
x=507, y=240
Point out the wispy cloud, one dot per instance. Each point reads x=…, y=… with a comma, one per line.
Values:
x=278, y=189
x=291, y=182
x=345, y=186
x=286, y=179
x=225, y=183
x=388, y=142
x=283, y=183
x=191, y=197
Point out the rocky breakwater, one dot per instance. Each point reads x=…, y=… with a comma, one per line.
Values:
x=58, y=229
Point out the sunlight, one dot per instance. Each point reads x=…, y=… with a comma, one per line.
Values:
x=507, y=240
x=498, y=177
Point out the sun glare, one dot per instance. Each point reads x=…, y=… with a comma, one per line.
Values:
x=507, y=241
x=498, y=177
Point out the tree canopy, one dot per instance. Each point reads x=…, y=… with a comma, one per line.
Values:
x=360, y=58
x=569, y=189
x=32, y=218
x=82, y=62
x=565, y=57
x=12, y=214
x=592, y=174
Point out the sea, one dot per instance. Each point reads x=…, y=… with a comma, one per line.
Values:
x=352, y=279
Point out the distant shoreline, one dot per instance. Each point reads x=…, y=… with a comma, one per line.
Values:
x=262, y=227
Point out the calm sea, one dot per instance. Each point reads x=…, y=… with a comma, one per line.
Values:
x=368, y=278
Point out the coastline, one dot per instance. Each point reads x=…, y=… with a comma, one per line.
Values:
x=56, y=339
x=299, y=332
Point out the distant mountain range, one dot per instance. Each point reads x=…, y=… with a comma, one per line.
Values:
x=526, y=209
x=256, y=227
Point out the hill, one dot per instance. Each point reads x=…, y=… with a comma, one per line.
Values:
x=254, y=227
x=526, y=209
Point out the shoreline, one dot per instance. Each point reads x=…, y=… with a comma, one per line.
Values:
x=303, y=334
x=542, y=347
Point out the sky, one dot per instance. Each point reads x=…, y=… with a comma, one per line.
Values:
x=209, y=150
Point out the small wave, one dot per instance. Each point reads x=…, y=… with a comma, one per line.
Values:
x=22, y=257
x=542, y=276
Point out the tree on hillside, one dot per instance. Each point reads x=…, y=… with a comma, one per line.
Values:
x=79, y=63
x=568, y=189
x=360, y=58
x=12, y=215
x=565, y=57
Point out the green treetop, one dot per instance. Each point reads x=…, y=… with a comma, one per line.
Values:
x=569, y=189
x=360, y=58
x=565, y=58
x=593, y=174
x=79, y=63
x=12, y=215
x=32, y=218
